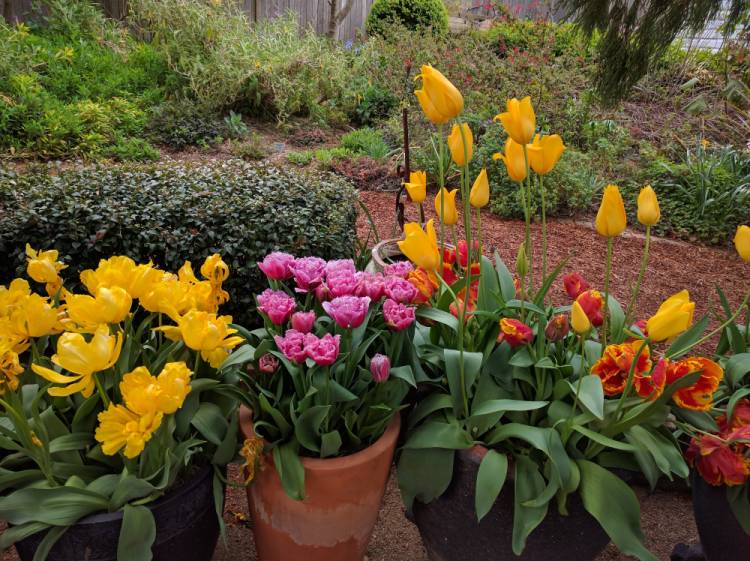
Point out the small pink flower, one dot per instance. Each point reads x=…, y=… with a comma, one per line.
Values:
x=277, y=305
x=371, y=285
x=348, y=311
x=323, y=350
x=398, y=269
x=276, y=265
x=380, y=367
x=268, y=363
x=339, y=266
x=397, y=315
x=308, y=272
x=400, y=290
x=342, y=283
x=292, y=344
x=322, y=292
x=303, y=321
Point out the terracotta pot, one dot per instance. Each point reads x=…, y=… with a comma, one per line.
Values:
x=450, y=530
x=722, y=537
x=186, y=528
x=335, y=520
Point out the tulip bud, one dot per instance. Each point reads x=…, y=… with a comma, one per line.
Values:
x=673, y=317
x=447, y=213
x=514, y=160
x=439, y=99
x=611, y=219
x=380, y=367
x=461, y=147
x=545, y=152
x=742, y=242
x=417, y=186
x=579, y=320
x=519, y=120
x=522, y=262
x=557, y=328
x=479, y=196
x=648, y=207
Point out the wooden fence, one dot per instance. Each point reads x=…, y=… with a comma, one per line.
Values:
x=312, y=13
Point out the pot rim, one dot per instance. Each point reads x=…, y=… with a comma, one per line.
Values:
x=171, y=496
x=386, y=440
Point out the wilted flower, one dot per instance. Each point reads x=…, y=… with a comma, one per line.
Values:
x=574, y=285
x=557, y=328
x=515, y=332
x=268, y=364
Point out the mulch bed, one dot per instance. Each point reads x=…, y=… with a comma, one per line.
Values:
x=674, y=265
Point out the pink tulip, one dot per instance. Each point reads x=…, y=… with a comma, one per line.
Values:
x=340, y=266
x=400, y=290
x=370, y=285
x=380, y=367
x=397, y=315
x=348, y=311
x=323, y=350
x=308, y=272
x=322, y=292
x=268, y=363
x=277, y=305
x=292, y=344
x=303, y=321
x=276, y=265
x=342, y=283
x=398, y=269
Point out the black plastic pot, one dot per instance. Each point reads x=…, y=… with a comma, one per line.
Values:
x=722, y=537
x=450, y=531
x=186, y=528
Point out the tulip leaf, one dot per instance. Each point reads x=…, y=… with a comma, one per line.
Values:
x=290, y=468
x=428, y=405
x=507, y=286
x=737, y=368
x=424, y=474
x=685, y=342
x=137, y=534
x=490, y=480
x=600, y=489
x=616, y=318
x=307, y=426
x=330, y=444
x=591, y=394
x=210, y=422
x=434, y=434
x=404, y=373
x=48, y=542
x=472, y=364
x=439, y=316
x=604, y=440
x=489, y=287
x=529, y=484
x=239, y=357
x=498, y=405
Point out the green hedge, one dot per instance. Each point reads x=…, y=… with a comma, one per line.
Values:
x=418, y=15
x=170, y=214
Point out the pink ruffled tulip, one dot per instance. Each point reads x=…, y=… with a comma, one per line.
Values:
x=308, y=272
x=293, y=345
x=398, y=269
x=397, y=315
x=303, y=321
x=348, y=311
x=340, y=266
x=342, y=283
x=400, y=290
x=277, y=305
x=380, y=367
x=268, y=363
x=370, y=285
x=276, y=265
x=323, y=350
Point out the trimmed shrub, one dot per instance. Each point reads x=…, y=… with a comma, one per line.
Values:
x=418, y=15
x=173, y=213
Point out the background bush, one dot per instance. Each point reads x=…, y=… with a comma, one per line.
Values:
x=176, y=212
x=416, y=15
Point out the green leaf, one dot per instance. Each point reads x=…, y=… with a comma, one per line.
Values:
x=737, y=368
x=591, y=395
x=137, y=534
x=434, y=434
x=472, y=364
x=507, y=286
x=291, y=471
x=48, y=542
x=18, y=533
x=130, y=488
x=210, y=422
x=521, y=358
x=404, y=373
x=307, y=427
x=600, y=491
x=616, y=318
x=239, y=357
x=489, y=286
x=604, y=440
x=684, y=342
x=490, y=480
x=68, y=442
x=58, y=506
x=439, y=316
x=424, y=474
x=497, y=405
x=330, y=444
x=427, y=406
x=529, y=485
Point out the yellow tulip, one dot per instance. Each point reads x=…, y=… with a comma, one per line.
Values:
x=215, y=270
x=421, y=246
x=13, y=296
x=144, y=393
x=514, y=160
x=742, y=242
x=440, y=100
x=35, y=316
x=10, y=367
x=43, y=266
x=203, y=331
x=611, y=219
x=82, y=359
x=170, y=296
x=448, y=214
x=121, y=428
x=545, y=152
x=519, y=120
x=479, y=196
x=648, y=207
x=460, y=152
x=111, y=305
x=417, y=186
x=579, y=320
x=673, y=317
x=123, y=272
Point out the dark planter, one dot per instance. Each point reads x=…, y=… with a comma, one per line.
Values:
x=722, y=537
x=450, y=531
x=186, y=528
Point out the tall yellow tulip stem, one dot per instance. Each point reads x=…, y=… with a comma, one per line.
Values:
x=639, y=281
x=544, y=228
x=441, y=185
x=102, y=392
x=607, y=275
x=529, y=249
x=480, y=249
x=465, y=187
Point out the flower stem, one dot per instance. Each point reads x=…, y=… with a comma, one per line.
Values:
x=607, y=275
x=639, y=282
x=631, y=378
x=441, y=186
x=100, y=390
x=467, y=286
x=544, y=228
x=528, y=248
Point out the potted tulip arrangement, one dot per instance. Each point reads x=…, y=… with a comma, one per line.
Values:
x=719, y=440
x=331, y=367
x=115, y=432
x=529, y=407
